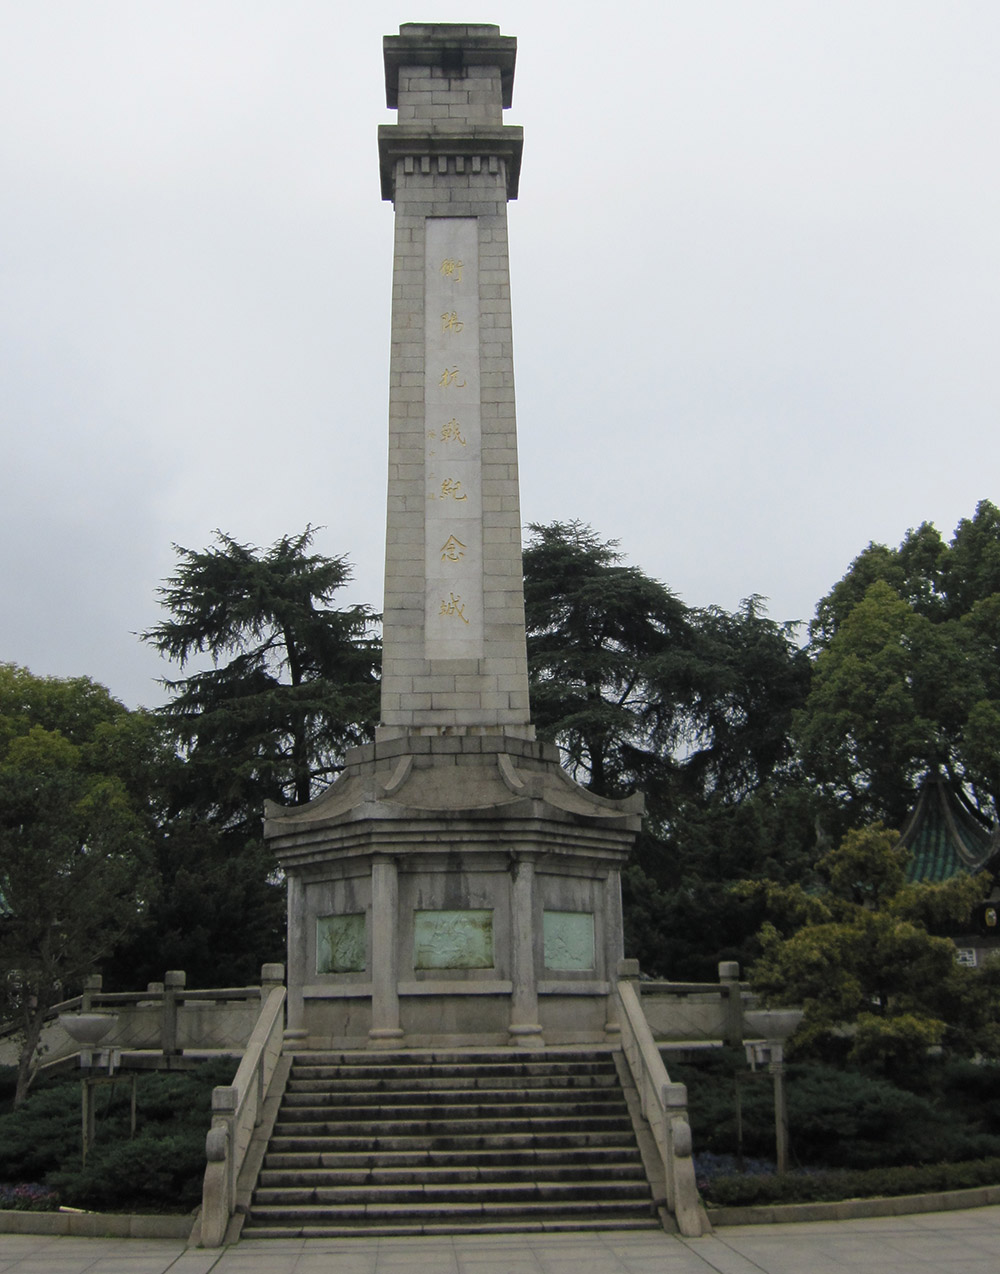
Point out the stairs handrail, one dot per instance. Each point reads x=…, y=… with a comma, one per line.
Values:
x=664, y=1106
x=236, y=1111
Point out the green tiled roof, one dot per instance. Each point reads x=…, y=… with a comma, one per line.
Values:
x=943, y=837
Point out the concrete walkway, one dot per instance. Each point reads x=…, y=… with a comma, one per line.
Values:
x=940, y=1242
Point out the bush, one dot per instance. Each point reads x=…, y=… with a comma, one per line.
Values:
x=831, y=1186
x=148, y=1173
x=842, y=1119
x=160, y=1169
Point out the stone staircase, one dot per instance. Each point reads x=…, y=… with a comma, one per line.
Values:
x=446, y=1142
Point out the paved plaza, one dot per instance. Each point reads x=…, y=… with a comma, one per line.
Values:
x=943, y=1242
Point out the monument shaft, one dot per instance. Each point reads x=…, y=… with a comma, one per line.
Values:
x=453, y=645
x=454, y=886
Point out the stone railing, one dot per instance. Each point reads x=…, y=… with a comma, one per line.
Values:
x=664, y=1106
x=161, y=1022
x=237, y=1110
x=691, y=1012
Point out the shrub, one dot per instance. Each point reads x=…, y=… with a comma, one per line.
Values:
x=842, y=1118
x=830, y=1186
x=147, y=1173
x=161, y=1168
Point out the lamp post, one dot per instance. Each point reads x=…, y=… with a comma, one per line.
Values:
x=776, y=1026
x=87, y=1030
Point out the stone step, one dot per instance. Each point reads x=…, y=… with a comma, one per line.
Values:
x=297, y=1106
x=544, y=1158
x=429, y=1125
x=430, y=1083
x=497, y=1070
x=478, y=1058
x=440, y=1140
x=311, y=1214
x=480, y=1192
x=466, y=1225
x=446, y=1142
x=455, y=1173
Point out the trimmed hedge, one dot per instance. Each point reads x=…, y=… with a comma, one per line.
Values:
x=833, y=1186
x=161, y=1169
x=843, y=1119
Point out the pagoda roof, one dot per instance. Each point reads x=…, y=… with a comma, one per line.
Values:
x=943, y=837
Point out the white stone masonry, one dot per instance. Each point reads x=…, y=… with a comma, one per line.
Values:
x=454, y=649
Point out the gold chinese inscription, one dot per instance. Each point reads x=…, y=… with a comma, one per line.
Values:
x=451, y=432
x=452, y=549
x=452, y=269
x=451, y=487
x=451, y=322
x=451, y=378
x=454, y=607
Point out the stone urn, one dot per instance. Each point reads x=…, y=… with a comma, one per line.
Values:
x=87, y=1029
x=772, y=1024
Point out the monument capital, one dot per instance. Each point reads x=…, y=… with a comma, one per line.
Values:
x=450, y=48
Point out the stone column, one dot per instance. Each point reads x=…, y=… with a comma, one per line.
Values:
x=525, y=1030
x=385, y=1030
x=453, y=637
x=614, y=940
x=295, y=1026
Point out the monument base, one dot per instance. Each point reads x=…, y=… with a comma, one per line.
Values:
x=453, y=889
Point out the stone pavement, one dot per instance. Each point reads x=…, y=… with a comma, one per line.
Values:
x=942, y=1242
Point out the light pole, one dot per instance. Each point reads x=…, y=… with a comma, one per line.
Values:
x=87, y=1030
x=775, y=1025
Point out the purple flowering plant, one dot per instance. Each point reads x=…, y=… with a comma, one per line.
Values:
x=28, y=1197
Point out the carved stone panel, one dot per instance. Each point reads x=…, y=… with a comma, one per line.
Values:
x=453, y=940
x=341, y=945
x=569, y=940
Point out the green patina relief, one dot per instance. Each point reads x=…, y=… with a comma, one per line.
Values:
x=569, y=940
x=453, y=939
x=340, y=944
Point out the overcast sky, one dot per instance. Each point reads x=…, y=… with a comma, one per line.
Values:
x=754, y=268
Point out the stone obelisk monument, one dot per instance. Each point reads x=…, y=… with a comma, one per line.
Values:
x=454, y=886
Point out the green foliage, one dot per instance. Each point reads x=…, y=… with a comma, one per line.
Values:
x=690, y=707
x=819, y=1187
x=837, y=1118
x=605, y=642
x=76, y=825
x=906, y=675
x=749, y=678
x=668, y=930
x=292, y=683
x=219, y=913
x=877, y=988
x=148, y=1173
x=867, y=868
x=160, y=1169
x=42, y=1133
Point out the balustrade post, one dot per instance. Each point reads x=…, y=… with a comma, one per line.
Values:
x=92, y=984
x=224, y=1099
x=732, y=1009
x=174, y=981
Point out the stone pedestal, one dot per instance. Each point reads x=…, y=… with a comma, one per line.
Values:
x=453, y=890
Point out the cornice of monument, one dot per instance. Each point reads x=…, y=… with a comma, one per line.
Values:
x=451, y=46
x=505, y=780
x=466, y=141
